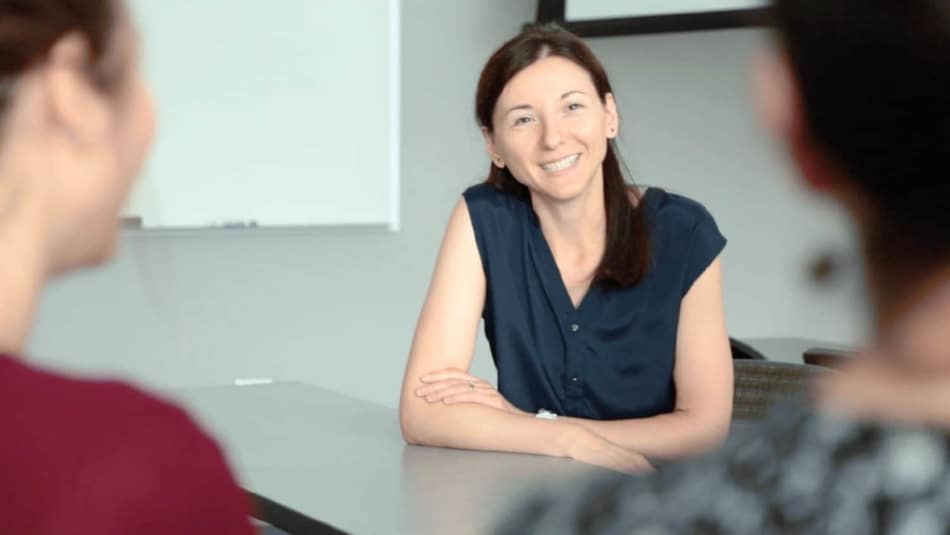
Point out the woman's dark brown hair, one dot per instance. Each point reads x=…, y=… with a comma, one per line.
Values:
x=626, y=254
x=30, y=28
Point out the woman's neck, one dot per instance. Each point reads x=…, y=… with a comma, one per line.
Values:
x=23, y=266
x=21, y=281
x=577, y=226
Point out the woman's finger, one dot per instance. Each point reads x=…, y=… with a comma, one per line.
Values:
x=448, y=374
x=457, y=388
x=436, y=386
x=482, y=397
x=439, y=385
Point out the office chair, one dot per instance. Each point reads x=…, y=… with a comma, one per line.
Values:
x=759, y=383
x=743, y=351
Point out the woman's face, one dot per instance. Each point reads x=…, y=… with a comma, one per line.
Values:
x=107, y=162
x=551, y=129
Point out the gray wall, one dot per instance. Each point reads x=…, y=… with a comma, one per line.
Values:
x=337, y=307
x=689, y=123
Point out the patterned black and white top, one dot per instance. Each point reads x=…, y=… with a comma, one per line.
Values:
x=798, y=471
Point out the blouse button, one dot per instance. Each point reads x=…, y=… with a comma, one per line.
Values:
x=575, y=327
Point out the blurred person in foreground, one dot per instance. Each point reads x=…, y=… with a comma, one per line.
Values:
x=83, y=456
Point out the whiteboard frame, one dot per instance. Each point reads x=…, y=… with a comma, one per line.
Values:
x=555, y=11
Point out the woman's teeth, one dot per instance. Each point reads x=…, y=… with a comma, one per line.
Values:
x=561, y=164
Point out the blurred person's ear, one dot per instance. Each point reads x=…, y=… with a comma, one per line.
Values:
x=781, y=107
x=77, y=111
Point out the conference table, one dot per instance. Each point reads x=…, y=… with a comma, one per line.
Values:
x=317, y=461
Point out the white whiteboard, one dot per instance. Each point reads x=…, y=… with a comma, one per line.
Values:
x=276, y=113
x=577, y=10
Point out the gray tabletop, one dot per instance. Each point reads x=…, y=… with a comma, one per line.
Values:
x=343, y=461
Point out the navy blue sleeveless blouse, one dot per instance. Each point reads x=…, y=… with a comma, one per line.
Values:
x=610, y=358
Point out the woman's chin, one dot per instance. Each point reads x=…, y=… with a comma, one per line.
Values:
x=94, y=252
x=106, y=250
x=565, y=188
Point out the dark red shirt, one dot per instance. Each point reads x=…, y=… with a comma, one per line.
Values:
x=101, y=457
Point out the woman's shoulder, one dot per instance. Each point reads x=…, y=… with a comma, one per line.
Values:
x=675, y=208
x=482, y=190
x=683, y=233
x=48, y=406
x=121, y=448
x=485, y=193
x=51, y=389
x=487, y=203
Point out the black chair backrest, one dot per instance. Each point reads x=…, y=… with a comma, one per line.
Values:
x=742, y=350
x=759, y=383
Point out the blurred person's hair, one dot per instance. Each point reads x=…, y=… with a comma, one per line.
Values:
x=30, y=28
x=873, y=78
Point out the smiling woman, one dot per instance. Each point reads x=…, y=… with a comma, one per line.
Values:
x=865, y=119
x=602, y=301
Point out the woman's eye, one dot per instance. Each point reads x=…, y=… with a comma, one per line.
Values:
x=574, y=106
x=522, y=120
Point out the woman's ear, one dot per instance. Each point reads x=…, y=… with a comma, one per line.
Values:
x=492, y=149
x=76, y=109
x=613, y=118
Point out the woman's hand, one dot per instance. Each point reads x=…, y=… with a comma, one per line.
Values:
x=591, y=448
x=451, y=386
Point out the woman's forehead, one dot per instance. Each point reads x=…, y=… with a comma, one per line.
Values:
x=546, y=78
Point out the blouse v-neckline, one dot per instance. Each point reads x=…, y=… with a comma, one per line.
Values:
x=551, y=277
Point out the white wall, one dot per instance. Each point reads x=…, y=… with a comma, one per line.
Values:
x=336, y=307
